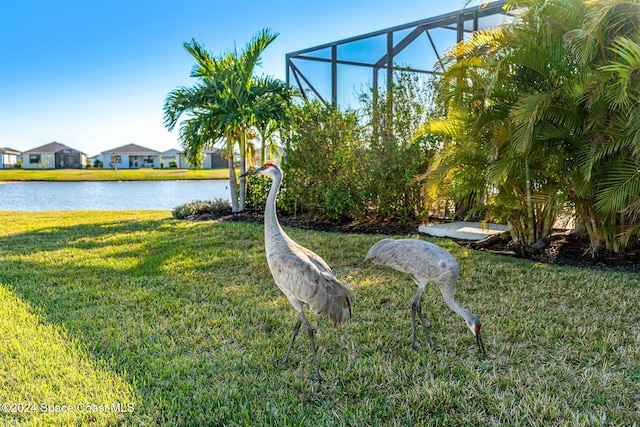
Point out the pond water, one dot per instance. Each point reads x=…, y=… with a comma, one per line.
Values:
x=108, y=195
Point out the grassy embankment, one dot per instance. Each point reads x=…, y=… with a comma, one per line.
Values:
x=181, y=323
x=110, y=175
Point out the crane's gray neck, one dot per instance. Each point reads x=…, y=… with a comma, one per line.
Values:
x=447, y=295
x=271, y=224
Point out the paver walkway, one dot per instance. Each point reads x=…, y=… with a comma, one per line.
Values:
x=462, y=230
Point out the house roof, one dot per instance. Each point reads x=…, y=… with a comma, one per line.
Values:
x=131, y=149
x=171, y=152
x=205, y=151
x=52, y=147
x=8, y=150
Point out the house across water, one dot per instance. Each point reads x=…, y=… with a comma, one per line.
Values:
x=8, y=158
x=131, y=156
x=53, y=156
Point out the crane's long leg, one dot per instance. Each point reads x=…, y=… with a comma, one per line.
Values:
x=296, y=328
x=313, y=346
x=416, y=307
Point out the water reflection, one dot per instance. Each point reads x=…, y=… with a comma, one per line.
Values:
x=108, y=195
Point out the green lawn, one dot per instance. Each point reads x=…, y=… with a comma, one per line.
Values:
x=135, y=318
x=110, y=175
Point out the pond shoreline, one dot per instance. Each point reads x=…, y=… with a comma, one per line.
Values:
x=104, y=175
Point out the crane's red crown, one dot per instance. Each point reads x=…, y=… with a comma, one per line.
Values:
x=268, y=165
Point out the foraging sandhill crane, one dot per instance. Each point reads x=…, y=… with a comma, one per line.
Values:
x=426, y=263
x=300, y=274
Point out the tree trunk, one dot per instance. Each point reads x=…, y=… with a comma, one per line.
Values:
x=513, y=231
x=489, y=240
x=542, y=243
x=263, y=148
x=233, y=183
x=233, y=186
x=243, y=168
x=531, y=232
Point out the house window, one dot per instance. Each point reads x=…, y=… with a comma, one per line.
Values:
x=34, y=158
x=148, y=160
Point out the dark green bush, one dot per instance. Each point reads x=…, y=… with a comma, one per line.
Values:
x=322, y=165
x=199, y=207
x=258, y=189
x=361, y=165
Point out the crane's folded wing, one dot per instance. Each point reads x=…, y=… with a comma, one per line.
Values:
x=300, y=277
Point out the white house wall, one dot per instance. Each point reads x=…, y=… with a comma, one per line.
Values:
x=124, y=160
x=47, y=161
x=180, y=159
x=182, y=162
x=8, y=161
x=127, y=158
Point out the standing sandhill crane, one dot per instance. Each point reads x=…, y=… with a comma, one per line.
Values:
x=426, y=263
x=300, y=274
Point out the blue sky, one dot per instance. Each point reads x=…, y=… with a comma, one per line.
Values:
x=94, y=74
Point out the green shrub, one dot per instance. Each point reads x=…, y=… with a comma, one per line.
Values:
x=199, y=207
x=323, y=163
x=258, y=190
x=365, y=164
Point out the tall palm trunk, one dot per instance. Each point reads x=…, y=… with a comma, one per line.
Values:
x=263, y=152
x=243, y=168
x=531, y=232
x=233, y=182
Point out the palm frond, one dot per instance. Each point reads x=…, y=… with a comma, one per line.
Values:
x=620, y=186
x=625, y=91
x=526, y=114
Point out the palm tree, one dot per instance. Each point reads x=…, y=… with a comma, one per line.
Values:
x=224, y=103
x=271, y=111
x=547, y=109
x=607, y=195
x=206, y=107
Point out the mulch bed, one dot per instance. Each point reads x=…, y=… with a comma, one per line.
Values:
x=565, y=249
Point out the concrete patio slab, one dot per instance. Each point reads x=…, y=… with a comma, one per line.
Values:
x=463, y=230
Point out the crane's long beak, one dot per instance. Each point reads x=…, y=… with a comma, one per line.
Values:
x=251, y=172
x=480, y=343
